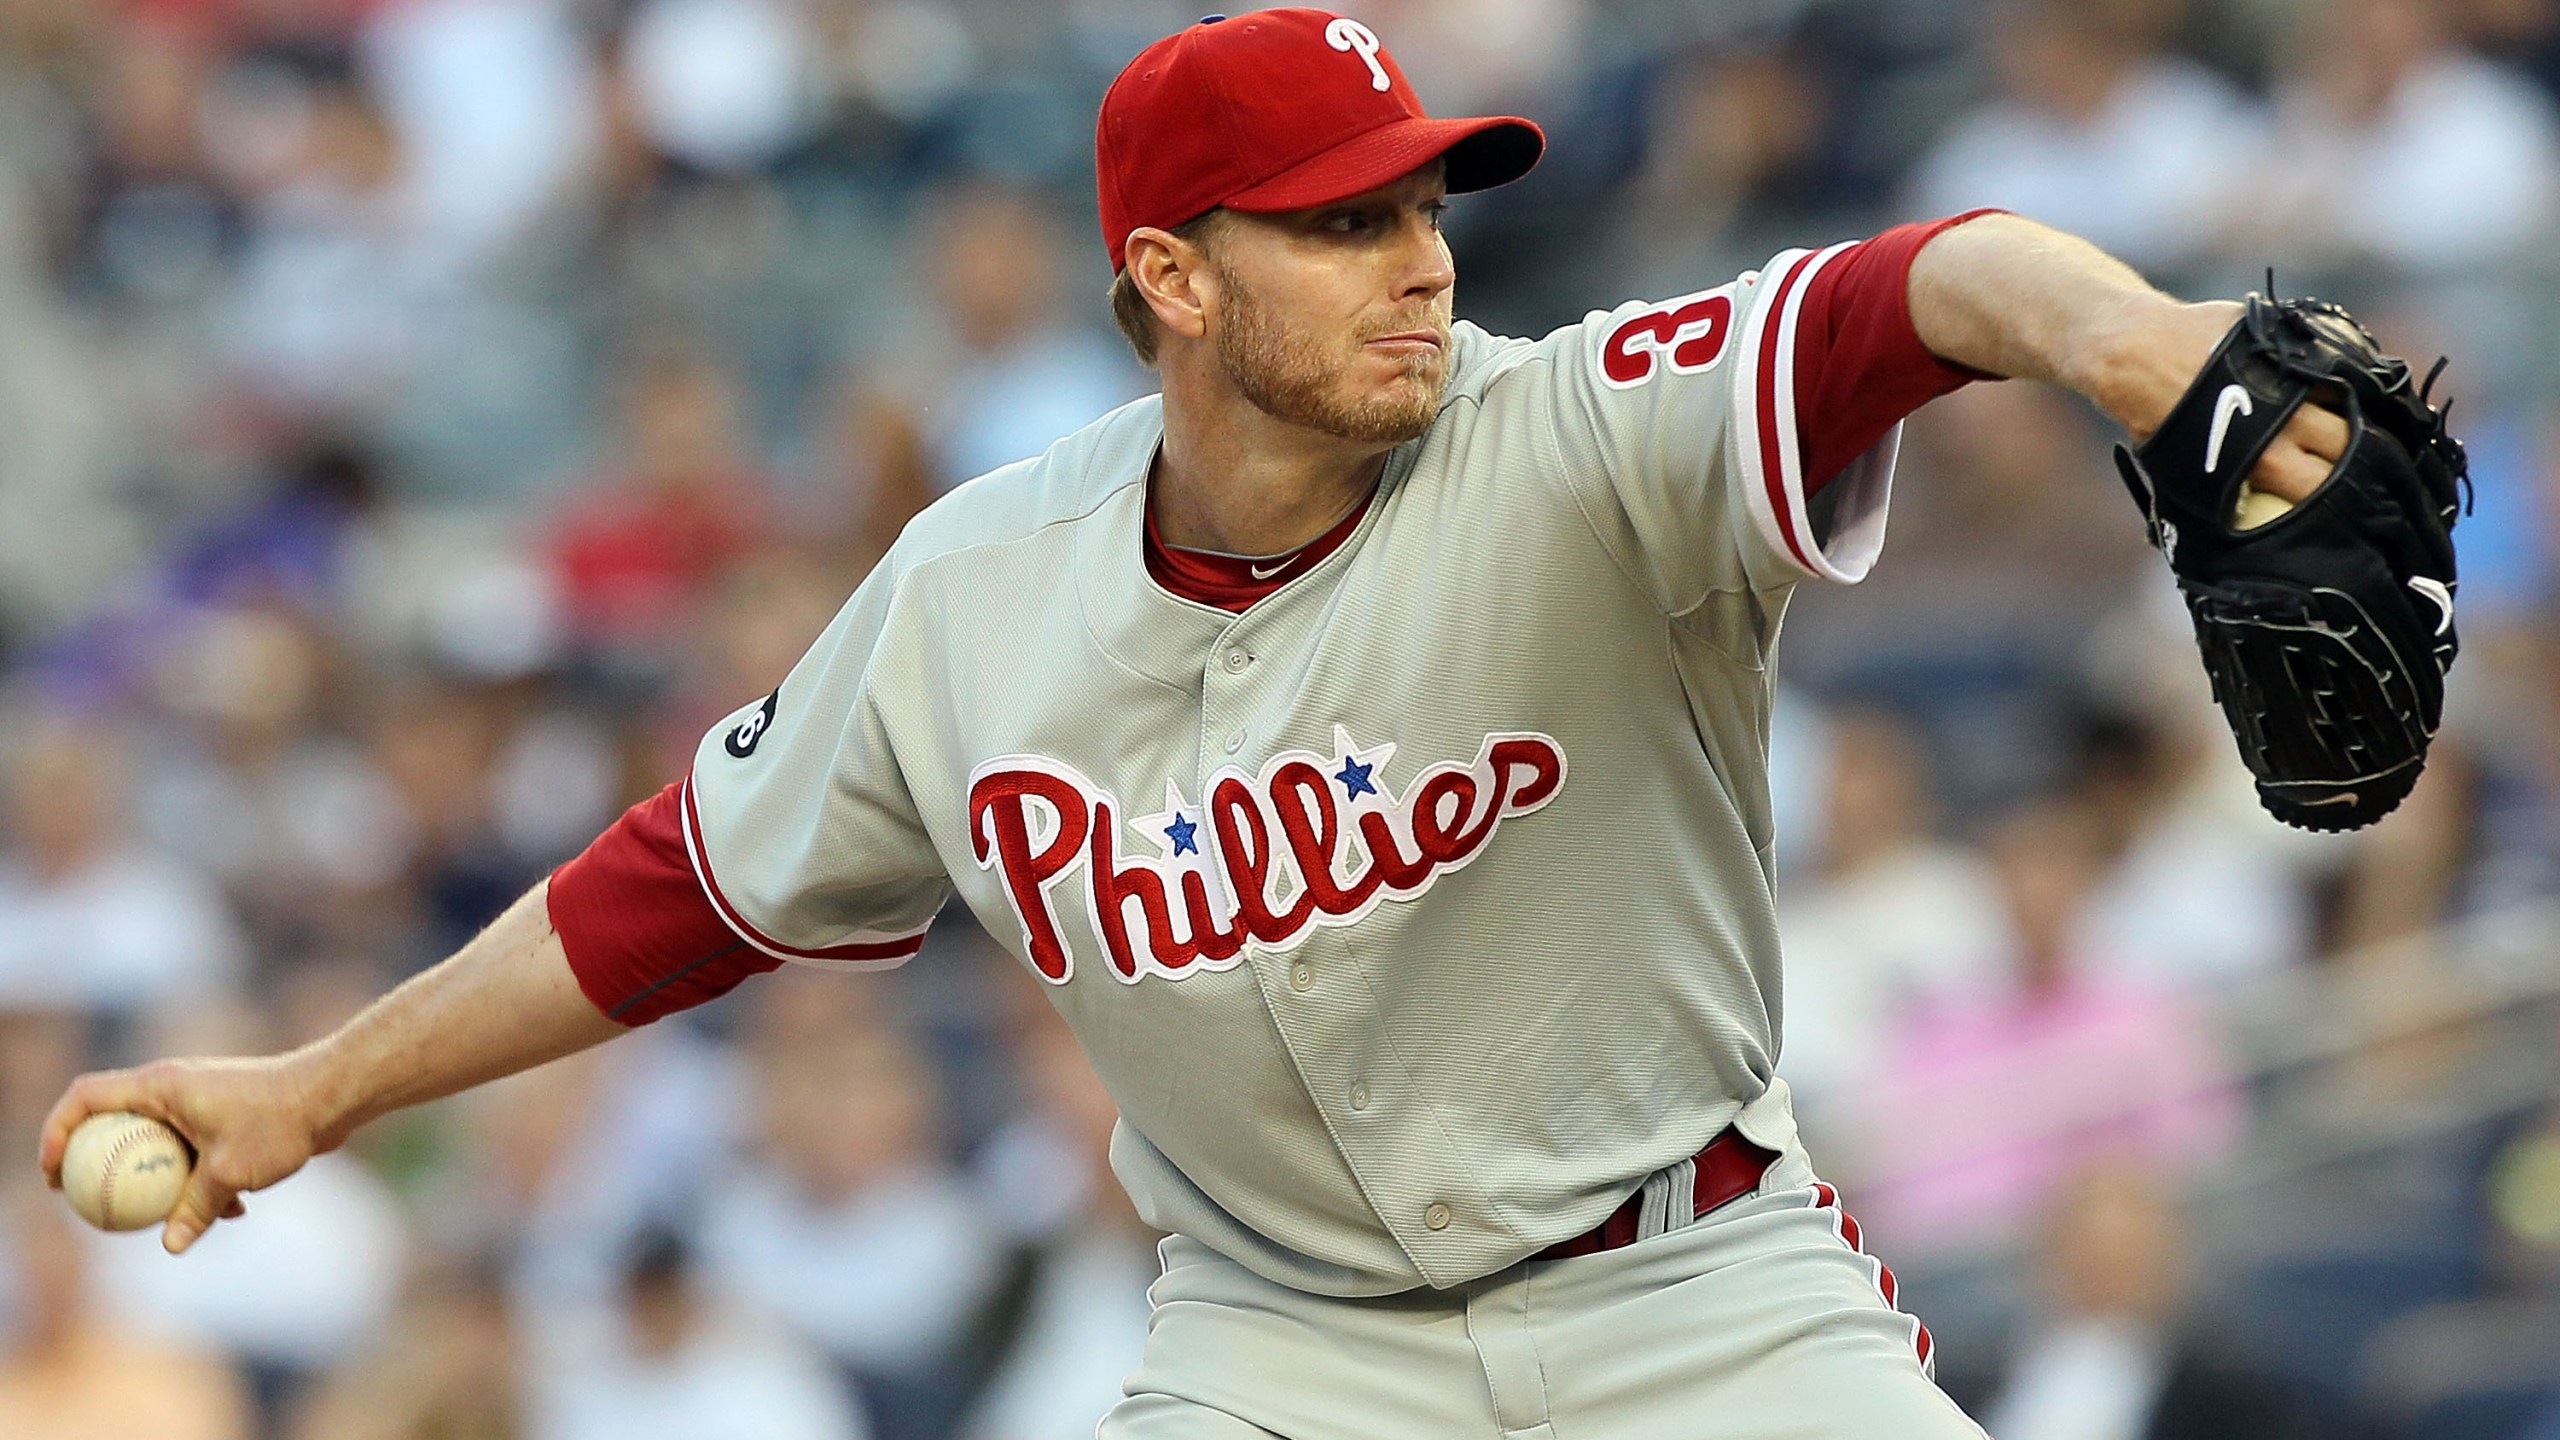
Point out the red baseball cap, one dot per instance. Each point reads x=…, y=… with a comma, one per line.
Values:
x=1277, y=110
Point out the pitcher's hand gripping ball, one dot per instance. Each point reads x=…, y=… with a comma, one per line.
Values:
x=2327, y=628
x=124, y=1171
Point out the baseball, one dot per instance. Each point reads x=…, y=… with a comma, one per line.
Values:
x=124, y=1171
x=2257, y=507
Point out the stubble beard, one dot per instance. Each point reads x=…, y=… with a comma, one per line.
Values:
x=1287, y=377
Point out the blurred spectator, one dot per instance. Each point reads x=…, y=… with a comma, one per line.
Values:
x=1072, y=1319
x=91, y=916
x=253, y=784
x=2199, y=891
x=718, y=85
x=334, y=297
x=996, y=371
x=2517, y=861
x=40, y=1051
x=2109, y=1352
x=447, y=1368
x=157, y=225
x=2509, y=1340
x=1731, y=169
x=668, y=1363
x=438, y=747
x=1987, y=1103
x=887, y=72
x=68, y=539
x=2011, y=542
x=2407, y=870
x=495, y=106
x=555, y=781
x=66, y=1374
x=293, y=546
x=2395, y=146
x=2490, y=1362
x=637, y=549
x=1894, y=922
x=2522, y=33
x=559, y=1168
x=2098, y=130
x=844, y=1219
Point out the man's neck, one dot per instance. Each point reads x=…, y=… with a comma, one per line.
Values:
x=1232, y=479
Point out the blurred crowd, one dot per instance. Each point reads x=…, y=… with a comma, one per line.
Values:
x=424, y=417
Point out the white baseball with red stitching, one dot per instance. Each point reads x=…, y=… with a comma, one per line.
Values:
x=124, y=1171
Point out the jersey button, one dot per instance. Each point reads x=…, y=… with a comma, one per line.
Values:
x=1359, y=1094
x=1436, y=1216
x=1236, y=662
x=1235, y=742
x=1302, y=976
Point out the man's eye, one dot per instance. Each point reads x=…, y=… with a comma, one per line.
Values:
x=1346, y=222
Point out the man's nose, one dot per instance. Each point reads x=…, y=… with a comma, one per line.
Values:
x=1428, y=268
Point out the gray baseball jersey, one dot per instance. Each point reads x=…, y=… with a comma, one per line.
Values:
x=1416, y=912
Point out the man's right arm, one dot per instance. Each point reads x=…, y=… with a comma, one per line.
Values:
x=797, y=799
x=505, y=1002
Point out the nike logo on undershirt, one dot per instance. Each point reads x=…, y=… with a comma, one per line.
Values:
x=1261, y=574
x=2234, y=400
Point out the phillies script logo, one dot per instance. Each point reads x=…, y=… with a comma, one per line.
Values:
x=1687, y=333
x=1308, y=840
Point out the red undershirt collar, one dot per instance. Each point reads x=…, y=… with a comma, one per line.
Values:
x=1232, y=582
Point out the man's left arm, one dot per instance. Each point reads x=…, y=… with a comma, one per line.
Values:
x=2009, y=297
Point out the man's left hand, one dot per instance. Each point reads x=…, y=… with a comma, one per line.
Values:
x=2155, y=358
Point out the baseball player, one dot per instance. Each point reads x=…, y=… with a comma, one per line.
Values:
x=1364, y=741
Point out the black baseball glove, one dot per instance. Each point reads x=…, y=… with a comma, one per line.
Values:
x=2328, y=629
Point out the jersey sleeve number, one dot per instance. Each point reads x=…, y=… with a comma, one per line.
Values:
x=1688, y=334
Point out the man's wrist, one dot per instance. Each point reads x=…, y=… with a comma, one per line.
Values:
x=2141, y=352
x=318, y=1089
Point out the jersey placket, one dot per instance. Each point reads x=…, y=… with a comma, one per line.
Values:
x=1321, y=1003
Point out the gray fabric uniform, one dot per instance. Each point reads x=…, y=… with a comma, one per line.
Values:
x=1758, y=1323
x=1412, y=916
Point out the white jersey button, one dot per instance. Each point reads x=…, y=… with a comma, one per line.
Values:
x=1235, y=742
x=1436, y=1217
x=1359, y=1094
x=1302, y=976
x=1236, y=661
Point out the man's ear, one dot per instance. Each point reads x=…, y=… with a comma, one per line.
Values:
x=1173, y=276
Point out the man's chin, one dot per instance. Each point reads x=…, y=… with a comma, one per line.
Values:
x=1362, y=401
x=1389, y=414
x=1406, y=401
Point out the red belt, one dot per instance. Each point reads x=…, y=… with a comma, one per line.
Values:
x=1728, y=1169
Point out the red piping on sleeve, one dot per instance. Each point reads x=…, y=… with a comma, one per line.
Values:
x=1773, y=464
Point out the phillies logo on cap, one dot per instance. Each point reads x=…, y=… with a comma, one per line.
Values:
x=1277, y=110
x=1348, y=34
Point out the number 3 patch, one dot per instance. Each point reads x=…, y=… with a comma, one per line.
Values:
x=1688, y=334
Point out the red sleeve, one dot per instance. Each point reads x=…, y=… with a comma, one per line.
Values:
x=1860, y=367
x=641, y=934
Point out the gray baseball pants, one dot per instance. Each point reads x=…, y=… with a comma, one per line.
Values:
x=1762, y=1320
